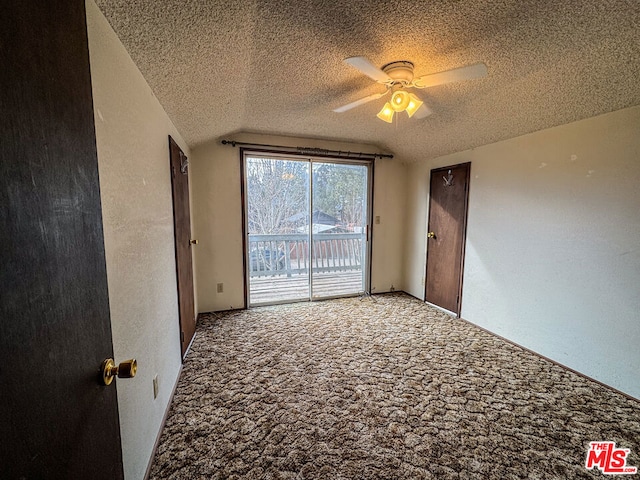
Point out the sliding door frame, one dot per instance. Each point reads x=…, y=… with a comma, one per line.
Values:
x=311, y=159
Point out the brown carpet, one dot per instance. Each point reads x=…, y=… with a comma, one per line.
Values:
x=384, y=388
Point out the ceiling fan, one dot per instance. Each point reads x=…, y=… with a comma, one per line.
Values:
x=397, y=77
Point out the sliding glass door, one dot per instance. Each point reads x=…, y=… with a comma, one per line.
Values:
x=339, y=229
x=277, y=198
x=306, y=224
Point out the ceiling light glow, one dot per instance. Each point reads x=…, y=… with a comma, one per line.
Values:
x=400, y=100
x=414, y=104
x=386, y=114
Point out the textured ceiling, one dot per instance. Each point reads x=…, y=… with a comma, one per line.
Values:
x=275, y=66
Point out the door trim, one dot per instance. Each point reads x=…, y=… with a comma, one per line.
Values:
x=464, y=235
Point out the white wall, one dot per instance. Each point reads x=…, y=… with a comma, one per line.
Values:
x=217, y=218
x=553, y=244
x=133, y=161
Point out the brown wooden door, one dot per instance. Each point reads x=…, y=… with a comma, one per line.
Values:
x=182, y=232
x=448, y=199
x=58, y=420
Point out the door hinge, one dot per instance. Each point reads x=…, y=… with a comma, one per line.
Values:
x=457, y=299
x=173, y=171
x=181, y=337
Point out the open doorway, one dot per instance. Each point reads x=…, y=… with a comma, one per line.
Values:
x=306, y=228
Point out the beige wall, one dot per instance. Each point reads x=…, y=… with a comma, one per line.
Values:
x=217, y=218
x=553, y=244
x=133, y=161
x=389, y=202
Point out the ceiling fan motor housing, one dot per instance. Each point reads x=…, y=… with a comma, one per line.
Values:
x=401, y=71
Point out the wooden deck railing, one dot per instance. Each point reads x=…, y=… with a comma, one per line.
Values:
x=289, y=254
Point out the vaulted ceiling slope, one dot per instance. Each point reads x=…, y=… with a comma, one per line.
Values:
x=276, y=66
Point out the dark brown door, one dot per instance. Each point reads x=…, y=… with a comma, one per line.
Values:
x=58, y=420
x=182, y=231
x=448, y=198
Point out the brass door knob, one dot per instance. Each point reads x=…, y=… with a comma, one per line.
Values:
x=126, y=369
x=193, y=242
x=431, y=235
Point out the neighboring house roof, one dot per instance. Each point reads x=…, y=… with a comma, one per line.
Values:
x=318, y=228
x=318, y=216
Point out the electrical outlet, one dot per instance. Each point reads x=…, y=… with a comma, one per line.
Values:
x=423, y=281
x=377, y=219
x=155, y=386
x=220, y=287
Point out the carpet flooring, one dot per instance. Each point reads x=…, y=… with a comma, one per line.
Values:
x=380, y=388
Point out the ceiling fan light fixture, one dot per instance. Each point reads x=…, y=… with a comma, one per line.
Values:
x=386, y=114
x=414, y=104
x=400, y=100
x=397, y=77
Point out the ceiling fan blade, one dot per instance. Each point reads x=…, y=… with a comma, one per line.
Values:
x=357, y=103
x=368, y=68
x=469, y=72
x=422, y=112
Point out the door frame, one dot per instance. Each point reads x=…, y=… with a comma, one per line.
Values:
x=433, y=172
x=277, y=154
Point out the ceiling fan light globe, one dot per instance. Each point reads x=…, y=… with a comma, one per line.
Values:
x=400, y=100
x=386, y=114
x=414, y=104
